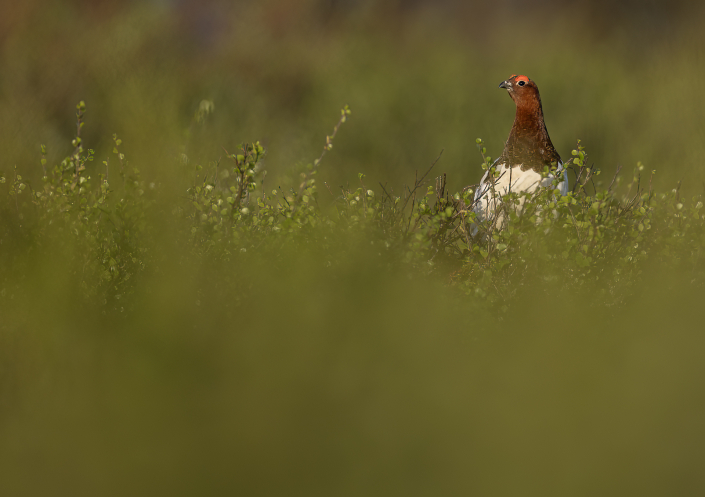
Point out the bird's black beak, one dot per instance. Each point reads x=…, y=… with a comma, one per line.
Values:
x=504, y=84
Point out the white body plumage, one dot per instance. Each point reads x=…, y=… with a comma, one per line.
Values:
x=488, y=196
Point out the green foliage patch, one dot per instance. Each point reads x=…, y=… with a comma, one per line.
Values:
x=297, y=322
x=594, y=241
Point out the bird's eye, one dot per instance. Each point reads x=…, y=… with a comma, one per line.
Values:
x=521, y=83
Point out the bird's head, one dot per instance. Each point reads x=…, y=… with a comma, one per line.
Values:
x=523, y=91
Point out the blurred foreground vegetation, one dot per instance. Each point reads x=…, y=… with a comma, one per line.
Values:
x=191, y=304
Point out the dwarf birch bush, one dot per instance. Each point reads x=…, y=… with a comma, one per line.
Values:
x=87, y=223
x=595, y=240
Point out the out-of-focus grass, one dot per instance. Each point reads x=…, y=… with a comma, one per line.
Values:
x=273, y=375
x=292, y=379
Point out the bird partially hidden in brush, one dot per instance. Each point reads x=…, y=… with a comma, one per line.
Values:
x=526, y=154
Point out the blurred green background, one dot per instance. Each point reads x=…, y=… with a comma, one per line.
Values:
x=419, y=76
x=276, y=376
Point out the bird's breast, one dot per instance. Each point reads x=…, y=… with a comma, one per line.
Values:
x=513, y=179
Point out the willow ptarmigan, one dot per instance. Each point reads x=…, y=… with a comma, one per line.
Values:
x=527, y=151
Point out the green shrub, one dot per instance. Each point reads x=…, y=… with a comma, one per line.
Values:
x=593, y=240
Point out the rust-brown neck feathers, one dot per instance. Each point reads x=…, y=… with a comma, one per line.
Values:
x=528, y=144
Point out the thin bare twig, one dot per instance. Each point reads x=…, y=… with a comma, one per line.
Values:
x=329, y=145
x=619, y=168
x=329, y=190
x=419, y=182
